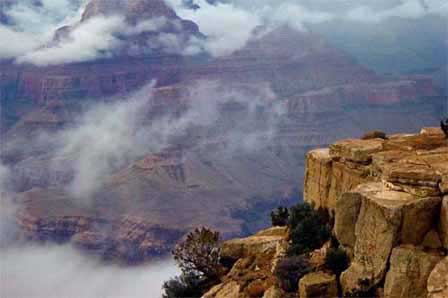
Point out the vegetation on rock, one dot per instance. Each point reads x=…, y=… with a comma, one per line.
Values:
x=199, y=254
x=198, y=258
x=289, y=271
x=309, y=230
x=184, y=286
x=337, y=260
x=280, y=217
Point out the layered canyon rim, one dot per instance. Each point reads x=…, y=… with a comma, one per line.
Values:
x=125, y=124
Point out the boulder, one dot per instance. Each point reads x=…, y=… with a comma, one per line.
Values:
x=256, y=288
x=318, y=284
x=346, y=216
x=437, y=285
x=431, y=131
x=432, y=240
x=413, y=175
x=409, y=271
x=225, y=290
x=344, y=179
x=356, y=150
x=444, y=184
x=273, y=292
x=443, y=222
x=385, y=218
x=252, y=246
x=317, y=177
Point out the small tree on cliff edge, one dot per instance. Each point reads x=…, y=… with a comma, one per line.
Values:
x=198, y=254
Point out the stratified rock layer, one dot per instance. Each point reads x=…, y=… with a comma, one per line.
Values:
x=386, y=194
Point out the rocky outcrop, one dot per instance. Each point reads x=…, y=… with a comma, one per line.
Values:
x=387, y=195
x=318, y=284
x=443, y=224
x=438, y=280
x=409, y=271
x=254, y=262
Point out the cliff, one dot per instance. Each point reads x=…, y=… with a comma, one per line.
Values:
x=389, y=200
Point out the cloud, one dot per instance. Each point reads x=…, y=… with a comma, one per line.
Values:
x=104, y=139
x=62, y=271
x=227, y=27
x=96, y=38
x=43, y=16
x=18, y=43
x=411, y=9
x=31, y=26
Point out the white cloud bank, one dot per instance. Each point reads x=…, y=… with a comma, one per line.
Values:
x=33, y=25
x=90, y=40
x=61, y=271
x=228, y=25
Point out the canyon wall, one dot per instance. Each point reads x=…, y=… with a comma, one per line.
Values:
x=388, y=197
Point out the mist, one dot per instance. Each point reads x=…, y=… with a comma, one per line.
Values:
x=112, y=133
x=61, y=271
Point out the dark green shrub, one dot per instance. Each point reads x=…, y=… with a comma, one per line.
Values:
x=280, y=217
x=184, y=286
x=309, y=231
x=289, y=270
x=198, y=254
x=337, y=260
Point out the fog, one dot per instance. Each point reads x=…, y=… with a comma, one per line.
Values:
x=61, y=271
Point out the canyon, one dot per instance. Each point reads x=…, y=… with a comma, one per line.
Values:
x=144, y=206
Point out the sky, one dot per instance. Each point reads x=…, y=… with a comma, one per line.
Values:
x=228, y=25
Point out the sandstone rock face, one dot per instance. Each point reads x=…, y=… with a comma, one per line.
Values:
x=443, y=222
x=385, y=219
x=347, y=212
x=273, y=292
x=415, y=164
x=387, y=194
x=318, y=284
x=251, y=275
x=409, y=272
x=438, y=280
x=265, y=243
x=318, y=177
x=228, y=290
x=356, y=150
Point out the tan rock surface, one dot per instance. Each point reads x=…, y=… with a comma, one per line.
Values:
x=356, y=150
x=438, y=280
x=228, y=290
x=256, y=256
x=344, y=179
x=443, y=222
x=255, y=245
x=347, y=211
x=385, y=218
x=409, y=272
x=317, y=177
x=273, y=292
x=318, y=284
